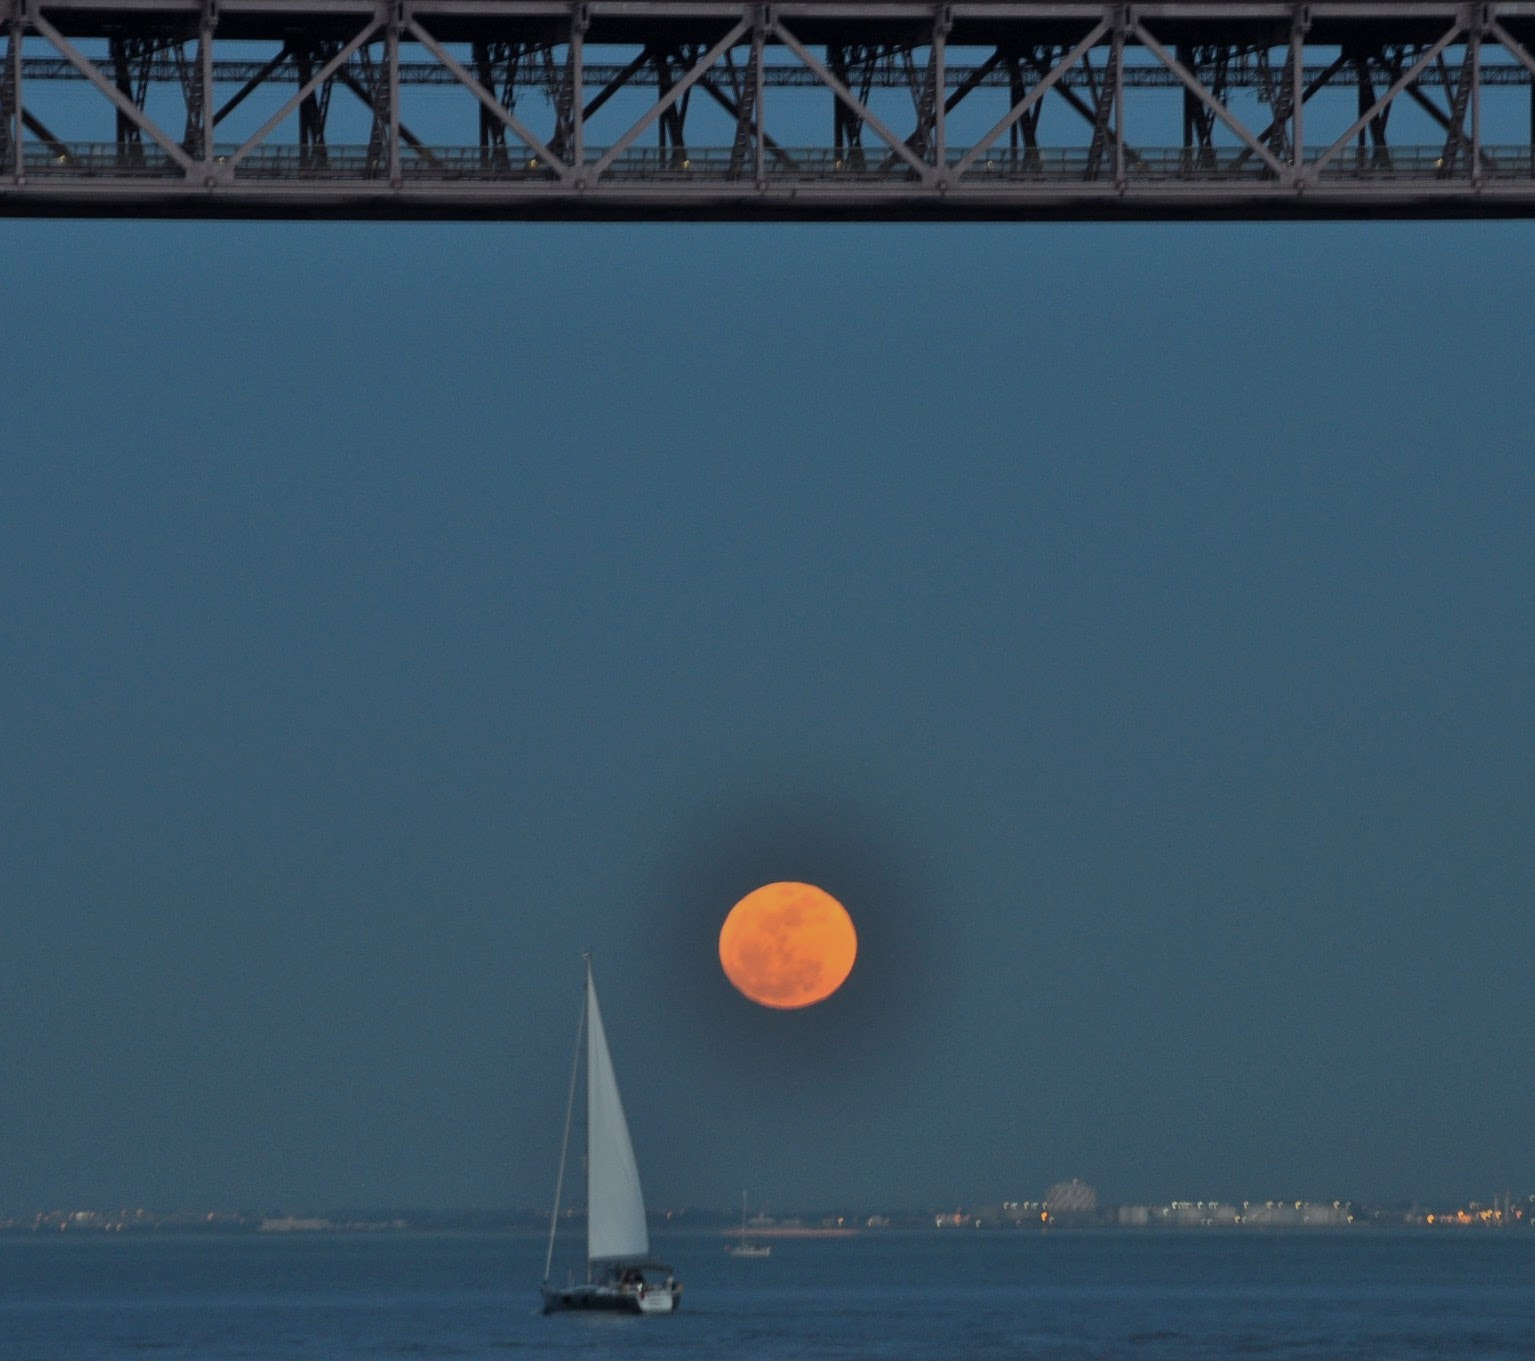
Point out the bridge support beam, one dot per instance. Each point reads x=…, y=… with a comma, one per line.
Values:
x=586, y=108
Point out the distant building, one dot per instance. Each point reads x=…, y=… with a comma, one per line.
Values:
x=1296, y=1214
x=1071, y=1202
x=1200, y=1214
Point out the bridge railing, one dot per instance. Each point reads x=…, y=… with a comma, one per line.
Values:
x=704, y=165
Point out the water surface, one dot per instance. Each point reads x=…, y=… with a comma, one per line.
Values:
x=897, y=1296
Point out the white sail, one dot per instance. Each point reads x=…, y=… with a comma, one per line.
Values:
x=614, y=1205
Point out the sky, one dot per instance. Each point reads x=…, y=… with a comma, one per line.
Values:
x=1132, y=625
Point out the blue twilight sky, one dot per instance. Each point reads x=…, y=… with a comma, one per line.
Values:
x=1133, y=625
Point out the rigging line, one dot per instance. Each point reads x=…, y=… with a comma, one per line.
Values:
x=570, y=1106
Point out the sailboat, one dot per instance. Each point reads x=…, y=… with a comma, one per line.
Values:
x=741, y=1247
x=619, y=1271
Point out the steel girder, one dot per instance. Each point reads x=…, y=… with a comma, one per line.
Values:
x=873, y=109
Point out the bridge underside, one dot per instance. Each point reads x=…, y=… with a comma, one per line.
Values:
x=717, y=109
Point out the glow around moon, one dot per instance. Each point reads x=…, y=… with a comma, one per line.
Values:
x=788, y=945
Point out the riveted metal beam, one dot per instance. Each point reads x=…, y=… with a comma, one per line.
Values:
x=541, y=108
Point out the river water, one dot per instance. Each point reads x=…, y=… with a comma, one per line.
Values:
x=898, y=1296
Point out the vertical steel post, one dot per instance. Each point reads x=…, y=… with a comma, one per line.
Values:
x=1299, y=22
x=759, y=34
x=580, y=17
x=392, y=58
x=205, y=83
x=1121, y=23
x=14, y=112
x=6, y=101
x=18, y=123
x=1363, y=98
x=1185, y=54
x=1474, y=38
x=942, y=22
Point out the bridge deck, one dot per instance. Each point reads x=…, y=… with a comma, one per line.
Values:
x=872, y=109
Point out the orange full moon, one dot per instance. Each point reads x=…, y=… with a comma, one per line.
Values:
x=788, y=945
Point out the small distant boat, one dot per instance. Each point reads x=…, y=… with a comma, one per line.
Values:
x=741, y=1247
x=619, y=1271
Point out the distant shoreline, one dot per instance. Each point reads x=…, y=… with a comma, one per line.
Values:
x=80, y=1225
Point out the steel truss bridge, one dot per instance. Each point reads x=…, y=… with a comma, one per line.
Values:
x=729, y=109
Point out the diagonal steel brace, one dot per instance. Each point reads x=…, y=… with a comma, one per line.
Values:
x=1040, y=90
x=308, y=88
x=494, y=105
x=1407, y=78
x=696, y=73
x=1196, y=87
x=896, y=144
x=125, y=106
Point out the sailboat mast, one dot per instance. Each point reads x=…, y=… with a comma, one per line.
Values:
x=570, y=1107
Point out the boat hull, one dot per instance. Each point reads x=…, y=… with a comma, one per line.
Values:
x=651, y=1299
